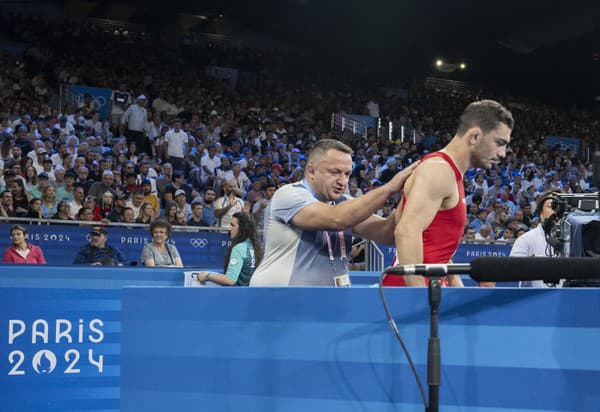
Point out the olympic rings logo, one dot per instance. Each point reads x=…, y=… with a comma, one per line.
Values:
x=199, y=242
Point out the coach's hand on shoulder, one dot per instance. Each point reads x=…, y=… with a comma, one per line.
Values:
x=397, y=182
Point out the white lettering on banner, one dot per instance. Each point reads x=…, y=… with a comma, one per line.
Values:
x=225, y=243
x=50, y=237
x=45, y=361
x=482, y=253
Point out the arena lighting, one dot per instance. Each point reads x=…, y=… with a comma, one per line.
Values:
x=462, y=66
x=439, y=63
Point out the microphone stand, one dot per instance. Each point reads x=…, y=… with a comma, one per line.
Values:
x=433, y=349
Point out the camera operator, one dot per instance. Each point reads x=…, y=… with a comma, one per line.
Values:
x=535, y=242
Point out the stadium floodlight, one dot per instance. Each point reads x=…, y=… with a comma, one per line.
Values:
x=439, y=63
x=463, y=66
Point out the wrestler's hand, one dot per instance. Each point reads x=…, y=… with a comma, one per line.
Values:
x=397, y=182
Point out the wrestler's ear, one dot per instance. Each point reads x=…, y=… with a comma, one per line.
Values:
x=474, y=135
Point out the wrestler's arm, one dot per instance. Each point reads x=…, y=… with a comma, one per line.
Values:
x=425, y=192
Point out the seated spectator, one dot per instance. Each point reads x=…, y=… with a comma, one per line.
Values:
x=6, y=204
x=85, y=214
x=20, y=197
x=49, y=201
x=180, y=218
x=196, y=218
x=146, y=214
x=170, y=211
x=21, y=251
x=97, y=252
x=160, y=253
x=182, y=205
x=63, y=211
x=242, y=258
x=35, y=209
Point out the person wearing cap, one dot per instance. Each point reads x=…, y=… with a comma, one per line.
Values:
x=176, y=145
x=116, y=214
x=182, y=204
x=97, y=252
x=21, y=251
x=65, y=192
x=43, y=181
x=149, y=197
x=133, y=123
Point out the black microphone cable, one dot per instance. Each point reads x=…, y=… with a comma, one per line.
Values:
x=392, y=323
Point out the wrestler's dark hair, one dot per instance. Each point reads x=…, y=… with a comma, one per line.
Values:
x=485, y=114
x=322, y=146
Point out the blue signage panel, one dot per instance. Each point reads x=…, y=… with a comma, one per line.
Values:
x=465, y=253
x=60, y=243
x=100, y=98
x=60, y=350
x=328, y=349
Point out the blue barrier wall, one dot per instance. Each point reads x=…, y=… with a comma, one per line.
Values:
x=327, y=349
x=500, y=347
x=60, y=243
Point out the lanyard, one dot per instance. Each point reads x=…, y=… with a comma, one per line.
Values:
x=341, y=237
x=343, y=256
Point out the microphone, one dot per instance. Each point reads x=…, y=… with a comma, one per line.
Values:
x=430, y=269
x=514, y=269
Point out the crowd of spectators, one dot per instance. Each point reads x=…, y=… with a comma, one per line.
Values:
x=204, y=151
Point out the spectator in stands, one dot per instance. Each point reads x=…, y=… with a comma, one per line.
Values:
x=136, y=201
x=176, y=145
x=31, y=177
x=77, y=202
x=63, y=211
x=229, y=204
x=182, y=205
x=116, y=214
x=43, y=182
x=128, y=215
x=259, y=208
x=20, y=197
x=180, y=219
x=170, y=211
x=242, y=258
x=208, y=206
x=21, y=251
x=160, y=253
x=65, y=192
x=146, y=214
x=35, y=209
x=196, y=218
x=133, y=122
x=49, y=201
x=99, y=188
x=97, y=252
x=149, y=197
x=86, y=214
x=6, y=204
